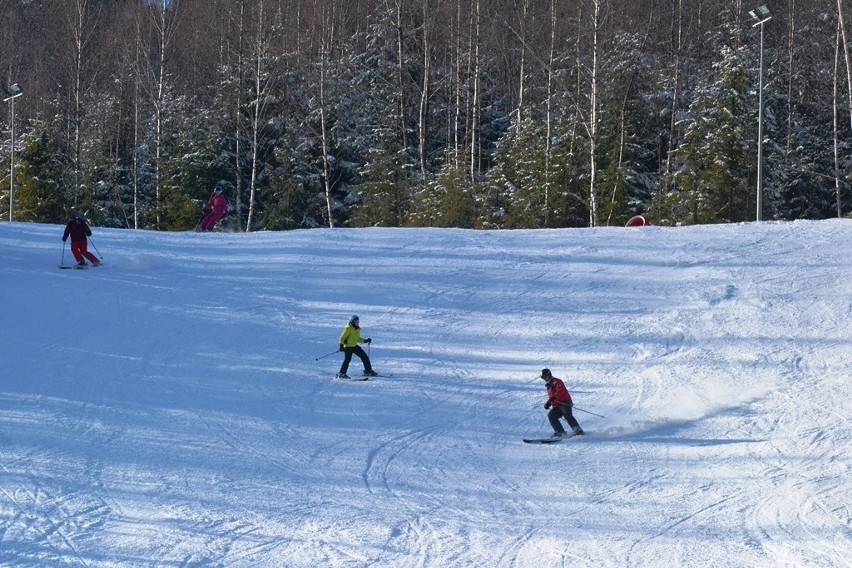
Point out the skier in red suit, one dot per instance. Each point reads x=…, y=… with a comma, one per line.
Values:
x=217, y=206
x=78, y=230
x=559, y=403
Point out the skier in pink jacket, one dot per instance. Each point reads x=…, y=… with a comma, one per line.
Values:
x=215, y=208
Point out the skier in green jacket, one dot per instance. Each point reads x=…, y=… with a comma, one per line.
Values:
x=349, y=340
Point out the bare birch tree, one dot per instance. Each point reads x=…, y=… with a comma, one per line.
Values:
x=791, y=42
x=548, y=127
x=326, y=45
x=137, y=104
x=263, y=83
x=82, y=18
x=677, y=51
x=238, y=116
x=592, y=124
x=841, y=24
x=427, y=15
x=164, y=22
x=475, y=74
x=399, y=27
x=835, y=96
x=457, y=113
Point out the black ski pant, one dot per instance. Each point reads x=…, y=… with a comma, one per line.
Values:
x=347, y=357
x=562, y=410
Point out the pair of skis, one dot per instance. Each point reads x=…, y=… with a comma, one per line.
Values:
x=78, y=267
x=364, y=378
x=551, y=440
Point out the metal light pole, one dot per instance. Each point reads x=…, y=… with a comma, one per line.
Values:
x=760, y=17
x=12, y=92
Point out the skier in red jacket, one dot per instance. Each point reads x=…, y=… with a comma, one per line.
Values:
x=559, y=403
x=78, y=230
x=215, y=208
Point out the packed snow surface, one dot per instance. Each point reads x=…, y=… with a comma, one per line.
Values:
x=177, y=406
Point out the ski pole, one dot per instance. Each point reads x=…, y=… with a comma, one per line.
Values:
x=587, y=412
x=62, y=259
x=96, y=248
x=327, y=355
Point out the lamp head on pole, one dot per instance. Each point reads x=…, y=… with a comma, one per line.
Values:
x=12, y=91
x=760, y=15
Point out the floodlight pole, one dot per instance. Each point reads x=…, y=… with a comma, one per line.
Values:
x=13, y=92
x=761, y=16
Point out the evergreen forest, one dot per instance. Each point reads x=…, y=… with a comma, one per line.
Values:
x=487, y=114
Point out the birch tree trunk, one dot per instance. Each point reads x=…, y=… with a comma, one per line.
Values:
x=262, y=80
x=258, y=102
x=677, y=23
x=791, y=35
x=475, y=103
x=238, y=120
x=164, y=26
x=457, y=71
x=593, y=118
x=82, y=26
x=841, y=21
x=79, y=30
x=137, y=103
x=835, y=100
x=400, y=72
x=548, y=148
x=325, y=47
x=425, y=91
x=522, y=67
x=841, y=18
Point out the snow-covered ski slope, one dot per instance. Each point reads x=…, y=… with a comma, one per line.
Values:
x=169, y=409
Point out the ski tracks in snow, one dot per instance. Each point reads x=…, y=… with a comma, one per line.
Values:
x=805, y=465
x=800, y=460
x=43, y=518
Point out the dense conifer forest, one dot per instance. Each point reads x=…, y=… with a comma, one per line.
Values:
x=443, y=113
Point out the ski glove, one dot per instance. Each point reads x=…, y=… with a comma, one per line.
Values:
x=368, y=340
x=341, y=347
x=64, y=239
x=547, y=405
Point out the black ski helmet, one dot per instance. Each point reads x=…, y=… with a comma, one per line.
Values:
x=545, y=374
